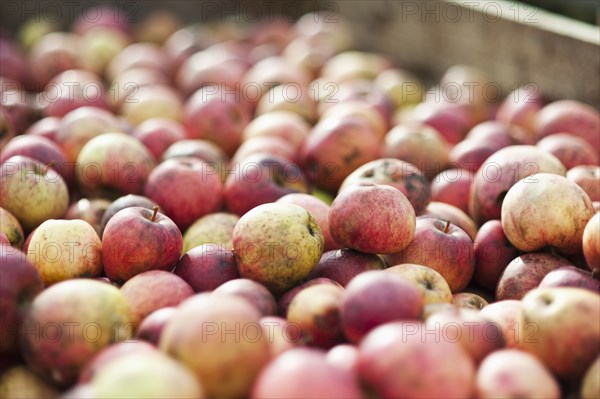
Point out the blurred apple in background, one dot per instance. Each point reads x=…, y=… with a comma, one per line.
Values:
x=570, y=149
x=11, y=228
x=158, y=134
x=21, y=382
x=590, y=387
x=505, y=313
x=52, y=54
x=521, y=107
x=72, y=89
x=591, y=243
x=152, y=101
x=588, y=178
x=283, y=124
x=452, y=187
x=152, y=326
x=256, y=294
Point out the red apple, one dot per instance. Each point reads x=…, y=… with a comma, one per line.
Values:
x=570, y=149
x=591, y=243
x=72, y=89
x=452, y=186
x=571, y=276
x=504, y=313
x=344, y=356
x=157, y=134
x=451, y=120
x=204, y=150
x=256, y=294
x=52, y=54
x=152, y=326
x=588, y=178
x=207, y=266
x=470, y=155
x=521, y=107
x=281, y=334
x=286, y=298
x=288, y=97
x=46, y=127
x=268, y=145
x=123, y=202
x=444, y=211
x=343, y=265
x=90, y=211
x=138, y=55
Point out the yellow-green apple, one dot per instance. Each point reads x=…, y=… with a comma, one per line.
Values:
x=591, y=243
x=561, y=327
x=444, y=211
x=350, y=65
x=546, y=210
x=277, y=245
x=72, y=89
x=65, y=249
x=10, y=226
x=469, y=300
x=31, y=191
x=207, y=266
x=335, y=147
x=342, y=265
x=286, y=298
x=152, y=101
x=374, y=298
x=7, y=127
x=137, y=240
x=521, y=107
x=283, y=124
x=316, y=312
x=89, y=210
x=280, y=333
x=570, y=149
x=153, y=290
x=442, y=246
x=157, y=134
x=68, y=323
x=431, y=284
x=451, y=187
x=504, y=314
x=420, y=145
x=279, y=378
x=290, y=98
x=354, y=223
x=477, y=334
x=402, y=359
x=344, y=356
x=525, y=273
x=214, y=228
x=401, y=86
x=588, y=178
x=152, y=326
x=79, y=126
x=113, y=163
x=123, y=202
x=219, y=338
x=590, y=386
x=569, y=116
x=501, y=171
x=99, y=45
x=255, y=293
x=318, y=209
x=514, y=373
x=20, y=382
x=396, y=173
x=185, y=189
x=571, y=276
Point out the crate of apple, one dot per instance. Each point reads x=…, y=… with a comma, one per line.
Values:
x=261, y=211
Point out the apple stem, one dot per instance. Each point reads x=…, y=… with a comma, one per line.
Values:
x=447, y=226
x=153, y=218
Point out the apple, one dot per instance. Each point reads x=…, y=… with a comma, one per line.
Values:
x=588, y=178
x=396, y=173
x=286, y=298
x=277, y=245
x=451, y=120
x=316, y=311
x=52, y=54
x=501, y=171
x=512, y=373
x=452, y=186
x=7, y=127
x=319, y=209
x=253, y=292
x=21, y=382
x=432, y=286
x=280, y=377
x=496, y=134
x=442, y=246
x=493, y=252
x=269, y=145
x=157, y=134
x=374, y=298
x=207, y=266
x=342, y=265
x=158, y=26
x=152, y=101
x=546, y=210
x=126, y=85
x=361, y=109
x=444, y=211
x=152, y=326
x=420, y=145
x=570, y=149
x=472, y=86
x=354, y=224
x=99, y=45
x=31, y=191
x=344, y=356
x=525, y=273
x=137, y=240
x=214, y=228
x=469, y=300
x=571, y=276
x=290, y=98
x=13, y=61
x=590, y=386
x=470, y=154
x=11, y=228
x=152, y=290
x=218, y=338
x=561, y=327
x=521, y=107
x=400, y=360
x=283, y=124
x=123, y=202
x=72, y=89
x=202, y=149
x=138, y=55
x=504, y=313
x=108, y=18
x=185, y=189
x=90, y=211
x=280, y=334
x=68, y=323
x=331, y=151
x=402, y=86
x=591, y=243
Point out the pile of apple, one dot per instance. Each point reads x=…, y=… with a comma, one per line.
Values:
x=256, y=210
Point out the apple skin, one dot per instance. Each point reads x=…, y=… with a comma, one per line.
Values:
x=442, y=246
x=90, y=211
x=283, y=124
x=357, y=225
x=318, y=209
x=31, y=191
x=153, y=290
x=45, y=127
x=571, y=276
x=501, y=171
x=157, y=134
x=256, y=294
x=152, y=101
x=361, y=109
x=65, y=249
x=452, y=186
x=513, y=373
x=493, y=252
x=590, y=386
x=588, y=178
x=10, y=226
x=331, y=151
x=505, y=313
x=452, y=121
x=561, y=327
x=20, y=284
x=396, y=173
x=546, y=210
x=207, y=266
x=52, y=54
x=72, y=89
x=269, y=145
x=280, y=98
x=443, y=211
x=374, y=298
x=70, y=307
x=214, y=228
x=280, y=337
x=260, y=179
x=591, y=243
x=151, y=327
x=137, y=240
x=21, y=382
x=279, y=378
x=525, y=273
x=262, y=240
x=316, y=311
x=342, y=265
x=344, y=356
x=187, y=339
x=286, y=298
x=432, y=286
x=136, y=55
x=571, y=150
x=496, y=134
x=185, y=189
x=399, y=360
x=123, y=202
x=521, y=107
x=469, y=300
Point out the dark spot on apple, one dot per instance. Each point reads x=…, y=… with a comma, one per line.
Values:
x=311, y=231
x=428, y=284
x=546, y=300
x=500, y=197
x=352, y=156
x=369, y=173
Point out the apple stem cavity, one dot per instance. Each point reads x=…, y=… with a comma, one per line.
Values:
x=447, y=226
x=155, y=211
x=596, y=274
